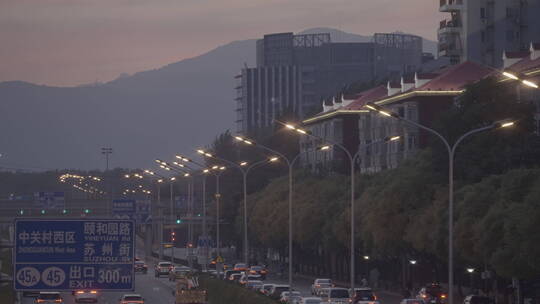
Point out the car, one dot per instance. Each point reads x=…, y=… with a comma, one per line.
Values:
x=162, y=268
x=265, y=289
x=476, y=299
x=310, y=300
x=260, y=270
x=255, y=284
x=240, y=266
x=140, y=266
x=276, y=290
x=131, y=298
x=235, y=277
x=432, y=293
x=49, y=297
x=318, y=284
x=290, y=297
x=335, y=295
x=248, y=277
x=177, y=272
x=411, y=301
x=86, y=296
x=363, y=295
x=228, y=273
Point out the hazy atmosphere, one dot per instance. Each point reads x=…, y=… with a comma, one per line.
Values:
x=66, y=42
x=270, y=151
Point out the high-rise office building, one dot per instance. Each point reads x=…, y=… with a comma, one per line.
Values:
x=481, y=30
x=296, y=72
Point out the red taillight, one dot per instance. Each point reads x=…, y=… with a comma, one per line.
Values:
x=40, y=300
x=374, y=297
x=424, y=296
x=58, y=300
x=443, y=296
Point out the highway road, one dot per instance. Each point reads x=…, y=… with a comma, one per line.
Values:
x=158, y=291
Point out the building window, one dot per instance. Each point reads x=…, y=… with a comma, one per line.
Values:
x=510, y=35
x=401, y=111
x=482, y=12
x=509, y=12
x=411, y=113
x=411, y=142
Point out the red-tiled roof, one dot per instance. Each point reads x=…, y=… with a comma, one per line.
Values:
x=525, y=64
x=350, y=96
x=457, y=77
x=517, y=54
x=426, y=75
x=367, y=96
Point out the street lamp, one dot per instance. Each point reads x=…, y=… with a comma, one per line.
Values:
x=525, y=82
x=290, y=164
x=451, y=155
x=471, y=273
x=219, y=170
x=352, y=160
x=244, y=172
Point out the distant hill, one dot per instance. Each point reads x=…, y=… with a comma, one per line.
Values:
x=155, y=113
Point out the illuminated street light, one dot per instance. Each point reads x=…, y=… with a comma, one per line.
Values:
x=510, y=75
x=529, y=84
x=244, y=179
x=290, y=164
x=352, y=162
x=451, y=156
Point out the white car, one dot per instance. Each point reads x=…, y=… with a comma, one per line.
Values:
x=86, y=296
x=290, y=297
x=335, y=295
x=132, y=298
x=265, y=289
x=319, y=284
x=310, y=300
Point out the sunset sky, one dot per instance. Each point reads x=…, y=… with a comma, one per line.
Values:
x=72, y=42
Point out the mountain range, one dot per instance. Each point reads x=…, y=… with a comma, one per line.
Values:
x=147, y=115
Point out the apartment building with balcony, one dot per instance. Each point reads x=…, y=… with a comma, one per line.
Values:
x=481, y=30
x=420, y=98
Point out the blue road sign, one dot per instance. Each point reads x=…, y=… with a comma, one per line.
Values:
x=74, y=254
x=143, y=210
x=124, y=208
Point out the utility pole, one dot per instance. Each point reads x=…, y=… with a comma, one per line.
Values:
x=108, y=151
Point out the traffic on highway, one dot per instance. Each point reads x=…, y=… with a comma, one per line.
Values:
x=270, y=151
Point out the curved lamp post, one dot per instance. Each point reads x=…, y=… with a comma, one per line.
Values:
x=451, y=155
x=352, y=161
x=244, y=168
x=290, y=164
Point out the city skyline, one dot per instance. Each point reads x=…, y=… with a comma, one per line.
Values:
x=62, y=43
